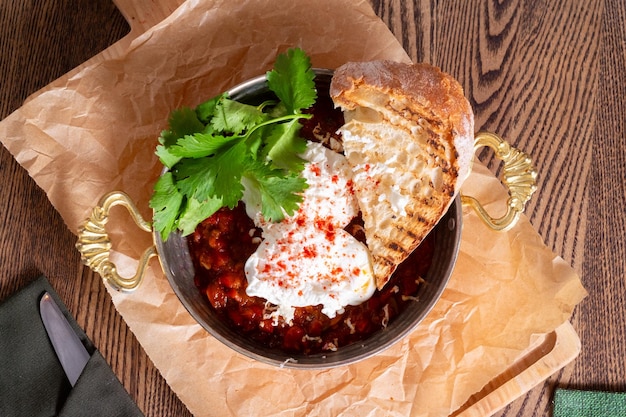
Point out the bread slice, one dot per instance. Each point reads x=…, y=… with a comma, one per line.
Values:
x=408, y=136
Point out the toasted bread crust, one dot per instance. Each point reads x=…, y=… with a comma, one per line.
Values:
x=409, y=139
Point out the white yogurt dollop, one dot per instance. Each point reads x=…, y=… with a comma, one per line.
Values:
x=308, y=259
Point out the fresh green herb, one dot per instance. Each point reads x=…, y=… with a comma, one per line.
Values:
x=221, y=147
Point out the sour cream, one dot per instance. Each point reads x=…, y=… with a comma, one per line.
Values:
x=308, y=259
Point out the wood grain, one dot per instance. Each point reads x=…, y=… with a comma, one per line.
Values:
x=41, y=41
x=601, y=319
x=550, y=76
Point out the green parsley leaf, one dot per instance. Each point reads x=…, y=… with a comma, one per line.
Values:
x=206, y=110
x=166, y=157
x=229, y=166
x=166, y=203
x=217, y=176
x=200, y=145
x=278, y=193
x=183, y=121
x=235, y=117
x=195, y=212
x=195, y=177
x=294, y=87
x=284, y=146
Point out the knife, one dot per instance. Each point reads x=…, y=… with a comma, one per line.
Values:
x=68, y=347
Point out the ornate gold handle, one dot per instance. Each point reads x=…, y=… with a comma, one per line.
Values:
x=94, y=244
x=519, y=176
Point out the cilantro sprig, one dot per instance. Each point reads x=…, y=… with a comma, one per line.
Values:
x=221, y=147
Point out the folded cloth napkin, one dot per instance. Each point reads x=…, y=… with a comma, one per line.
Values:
x=578, y=403
x=32, y=381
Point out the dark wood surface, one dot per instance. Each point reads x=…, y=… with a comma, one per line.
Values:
x=550, y=76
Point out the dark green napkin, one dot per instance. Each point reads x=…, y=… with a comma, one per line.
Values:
x=32, y=381
x=578, y=403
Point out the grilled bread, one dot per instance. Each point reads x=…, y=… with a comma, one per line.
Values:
x=408, y=136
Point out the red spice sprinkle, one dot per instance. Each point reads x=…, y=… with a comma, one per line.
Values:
x=289, y=238
x=316, y=170
x=327, y=228
x=356, y=271
x=336, y=271
x=309, y=251
x=335, y=178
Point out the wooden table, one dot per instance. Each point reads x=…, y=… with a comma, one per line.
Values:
x=548, y=76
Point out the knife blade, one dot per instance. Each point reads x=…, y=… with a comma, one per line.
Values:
x=66, y=343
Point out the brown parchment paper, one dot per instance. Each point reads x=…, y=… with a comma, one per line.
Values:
x=95, y=131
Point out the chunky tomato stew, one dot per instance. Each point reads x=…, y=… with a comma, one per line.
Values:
x=221, y=245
